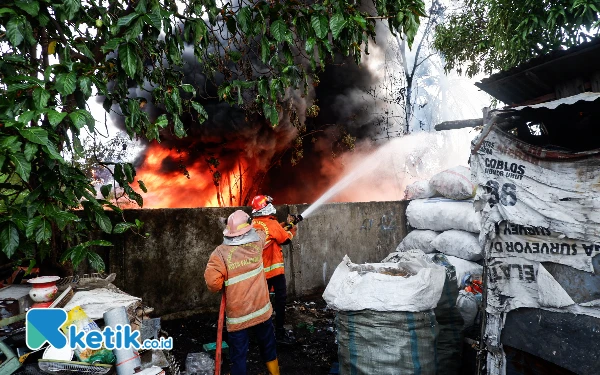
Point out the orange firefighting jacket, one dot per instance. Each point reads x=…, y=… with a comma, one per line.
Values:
x=276, y=236
x=240, y=269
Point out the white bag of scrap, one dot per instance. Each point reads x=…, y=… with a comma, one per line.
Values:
x=418, y=239
x=441, y=214
x=414, y=284
x=454, y=183
x=419, y=190
x=464, y=267
x=458, y=243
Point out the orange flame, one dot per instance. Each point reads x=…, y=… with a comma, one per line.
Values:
x=193, y=185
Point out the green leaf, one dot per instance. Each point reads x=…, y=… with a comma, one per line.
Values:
x=231, y=25
x=129, y=59
x=126, y=20
x=202, y=114
x=336, y=24
x=78, y=119
x=265, y=50
x=22, y=166
x=35, y=135
x=154, y=20
x=7, y=10
x=320, y=25
x=96, y=261
x=142, y=186
x=310, y=45
x=271, y=114
x=129, y=172
x=63, y=218
x=44, y=232
x=26, y=117
x=188, y=88
x=65, y=83
x=55, y=117
x=105, y=190
x=279, y=30
x=235, y=56
x=51, y=150
x=9, y=238
x=122, y=227
x=71, y=7
x=179, y=129
x=32, y=226
x=30, y=6
x=162, y=120
x=30, y=151
x=85, y=85
x=244, y=18
x=40, y=98
x=15, y=30
x=263, y=87
x=103, y=221
x=111, y=45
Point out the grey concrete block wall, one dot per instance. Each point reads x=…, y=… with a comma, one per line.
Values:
x=167, y=269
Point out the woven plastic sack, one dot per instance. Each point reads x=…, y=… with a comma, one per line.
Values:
x=419, y=190
x=454, y=183
x=458, y=243
x=418, y=239
x=449, y=322
x=441, y=214
x=382, y=343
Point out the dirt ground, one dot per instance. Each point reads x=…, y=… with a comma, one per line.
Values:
x=311, y=321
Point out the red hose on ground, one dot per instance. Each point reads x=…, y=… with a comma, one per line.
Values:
x=220, y=336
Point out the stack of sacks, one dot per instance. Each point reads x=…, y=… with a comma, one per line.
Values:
x=442, y=213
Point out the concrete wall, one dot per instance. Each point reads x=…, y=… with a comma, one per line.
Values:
x=166, y=270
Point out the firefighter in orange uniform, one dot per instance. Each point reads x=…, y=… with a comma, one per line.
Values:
x=263, y=213
x=236, y=265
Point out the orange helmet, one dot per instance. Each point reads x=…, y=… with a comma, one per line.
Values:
x=260, y=201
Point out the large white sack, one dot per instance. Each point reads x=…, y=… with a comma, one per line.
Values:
x=357, y=290
x=454, y=183
x=458, y=243
x=419, y=190
x=441, y=214
x=418, y=239
x=464, y=267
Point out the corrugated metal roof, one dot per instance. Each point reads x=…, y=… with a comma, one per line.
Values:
x=538, y=77
x=583, y=97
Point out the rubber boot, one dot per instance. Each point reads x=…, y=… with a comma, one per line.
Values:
x=273, y=367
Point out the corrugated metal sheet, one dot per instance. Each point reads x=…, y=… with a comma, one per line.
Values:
x=583, y=97
x=539, y=76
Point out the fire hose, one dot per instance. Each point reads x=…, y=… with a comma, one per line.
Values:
x=220, y=336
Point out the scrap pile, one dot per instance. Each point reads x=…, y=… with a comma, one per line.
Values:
x=442, y=213
x=91, y=302
x=413, y=294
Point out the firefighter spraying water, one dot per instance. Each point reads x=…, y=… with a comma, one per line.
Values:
x=278, y=234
